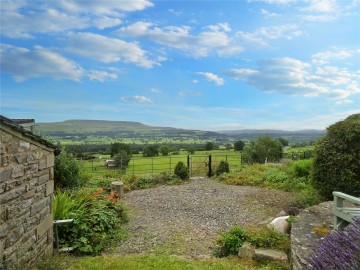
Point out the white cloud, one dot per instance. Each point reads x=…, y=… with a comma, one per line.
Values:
x=179, y=37
x=261, y=35
x=22, y=19
x=212, y=77
x=267, y=14
x=155, y=90
x=195, y=81
x=336, y=54
x=322, y=6
x=108, y=50
x=23, y=63
x=98, y=75
x=294, y=77
x=344, y=102
x=136, y=99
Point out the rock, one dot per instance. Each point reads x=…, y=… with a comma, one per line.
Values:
x=247, y=251
x=282, y=213
x=270, y=255
x=280, y=224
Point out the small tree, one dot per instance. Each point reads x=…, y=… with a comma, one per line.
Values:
x=67, y=173
x=191, y=150
x=165, y=150
x=239, y=145
x=283, y=142
x=209, y=146
x=181, y=171
x=264, y=149
x=122, y=159
x=336, y=164
x=223, y=167
x=115, y=148
x=151, y=151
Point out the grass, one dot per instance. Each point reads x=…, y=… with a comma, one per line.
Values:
x=150, y=262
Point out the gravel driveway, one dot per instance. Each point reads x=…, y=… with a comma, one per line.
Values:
x=187, y=219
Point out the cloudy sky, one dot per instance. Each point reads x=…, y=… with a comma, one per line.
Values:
x=280, y=64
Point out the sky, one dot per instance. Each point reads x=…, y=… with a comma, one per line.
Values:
x=209, y=65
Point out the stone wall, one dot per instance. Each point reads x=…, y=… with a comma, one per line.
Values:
x=26, y=187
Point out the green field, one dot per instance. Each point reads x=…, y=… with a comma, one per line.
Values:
x=154, y=165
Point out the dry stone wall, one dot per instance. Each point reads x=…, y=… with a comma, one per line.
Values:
x=26, y=187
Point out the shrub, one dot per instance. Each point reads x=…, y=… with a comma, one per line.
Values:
x=67, y=171
x=307, y=197
x=337, y=159
x=230, y=242
x=122, y=159
x=239, y=145
x=97, y=219
x=151, y=151
x=181, y=171
x=338, y=250
x=302, y=167
x=263, y=237
x=223, y=167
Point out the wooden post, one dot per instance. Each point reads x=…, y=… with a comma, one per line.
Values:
x=117, y=188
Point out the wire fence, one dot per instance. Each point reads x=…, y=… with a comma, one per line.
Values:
x=198, y=165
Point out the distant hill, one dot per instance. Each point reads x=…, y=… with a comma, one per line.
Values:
x=115, y=129
x=128, y=129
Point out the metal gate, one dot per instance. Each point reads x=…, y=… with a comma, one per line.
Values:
x=199, y=166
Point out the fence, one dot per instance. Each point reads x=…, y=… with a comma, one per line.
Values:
x=199, y=165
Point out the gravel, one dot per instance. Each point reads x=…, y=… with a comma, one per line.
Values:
x=187, y=219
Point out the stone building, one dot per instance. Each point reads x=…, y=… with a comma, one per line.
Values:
x=26, y=187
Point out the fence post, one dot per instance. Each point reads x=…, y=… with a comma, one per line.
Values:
x=117, y=188
x=209, y=172
x=152, y=166
x=188, y=163
x=170, y=166
x=92, y=165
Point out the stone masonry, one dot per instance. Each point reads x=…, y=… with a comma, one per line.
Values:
x=26, y=187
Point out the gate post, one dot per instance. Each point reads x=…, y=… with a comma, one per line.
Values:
x=188, y=163
x=209, y=171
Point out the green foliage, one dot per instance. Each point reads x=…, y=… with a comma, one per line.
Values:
x=230, y=242
x=97, y=219
x=181, y=171
x=263, y=237
x=264, y=149
x=302, y=168
x=165, y=150
x=308, y=197
x=337, y=159
x=283, y=142
x=239, y=145
x=223, y=167
x=116, y=148
x=191, y=150
x=209, y=146
x=67, y=173
x=122, y=159
x=151, y=150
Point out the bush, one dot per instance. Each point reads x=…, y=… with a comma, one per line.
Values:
x=263, y=237
x=230, y=242
x=338, y=250
x=67, y=171
x=223, y=167
x=97, y=219
x=181, y=171
x=337, y=159
x=122, y=159
x=302, y=167
x=263, y=150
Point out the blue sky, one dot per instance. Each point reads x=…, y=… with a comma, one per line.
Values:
x=211, y=65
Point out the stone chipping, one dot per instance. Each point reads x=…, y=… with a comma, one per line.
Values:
x=187, y=219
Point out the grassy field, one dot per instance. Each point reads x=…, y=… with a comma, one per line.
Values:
x=140, y=165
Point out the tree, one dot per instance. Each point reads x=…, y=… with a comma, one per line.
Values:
x=150, y=150
x=263, y=149
x=223, y=167
x=122, y=159
x=283, y=142
x=67, y=172
x=181, y=170
x=117, y=147
x=337, y=159
x=191, y=150
x=239, y=145
x=165, y=150
x=209, y=146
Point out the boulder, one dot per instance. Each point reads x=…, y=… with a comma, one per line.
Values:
x=280, y=224
x=270, y=255
x=246, y=251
